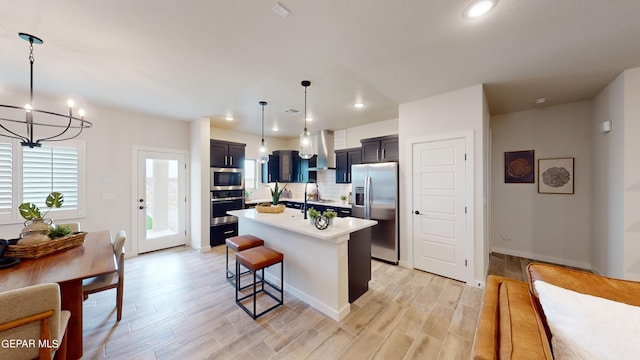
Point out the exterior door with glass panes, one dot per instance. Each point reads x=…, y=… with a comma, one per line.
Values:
x=161, y=199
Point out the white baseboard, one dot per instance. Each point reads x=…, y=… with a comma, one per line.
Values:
x=546, y=258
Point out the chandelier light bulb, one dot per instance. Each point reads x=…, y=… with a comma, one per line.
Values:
x=71, y=103
x=28, y=107
x=81, y=112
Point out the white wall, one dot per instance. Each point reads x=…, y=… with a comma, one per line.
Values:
x=632, y=174
x=451, y=113
x=608, y=169
x=616, y=174
x=548, y=227
x=110, y=199
x=200, y=187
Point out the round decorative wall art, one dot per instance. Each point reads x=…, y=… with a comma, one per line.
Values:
x=556, y=176
x=519, y=167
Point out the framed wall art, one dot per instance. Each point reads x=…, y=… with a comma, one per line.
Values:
x=555, y=176
x=519, y=167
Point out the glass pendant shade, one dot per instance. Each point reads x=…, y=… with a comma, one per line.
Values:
x=263, y=155
x=306, y=145
x=264, y=152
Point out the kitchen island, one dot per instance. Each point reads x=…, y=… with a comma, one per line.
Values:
x=328, y=269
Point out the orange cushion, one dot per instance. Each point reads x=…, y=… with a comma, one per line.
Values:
x=522, y=335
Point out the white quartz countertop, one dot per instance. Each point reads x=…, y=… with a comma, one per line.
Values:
x=292, y=220
x=338, y=203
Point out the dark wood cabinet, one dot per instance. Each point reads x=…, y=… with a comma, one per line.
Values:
x=227, y=154
x=344, y=159
x=304, y=174
x=219, y=233
x=287, y=166
x=384, y=148
x=359, y=263
x=271, y=170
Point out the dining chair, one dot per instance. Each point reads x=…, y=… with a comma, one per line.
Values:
x=114, y=280
x=32, y=325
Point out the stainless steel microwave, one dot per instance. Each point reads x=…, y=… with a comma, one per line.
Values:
x=227, y=179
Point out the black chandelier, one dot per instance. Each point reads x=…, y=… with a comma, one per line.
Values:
x=65, y=126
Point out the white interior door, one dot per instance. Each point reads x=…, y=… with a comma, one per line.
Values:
x=439, y=198
x=161, y=199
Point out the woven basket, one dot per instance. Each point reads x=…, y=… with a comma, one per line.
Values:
x=45, y=247
x=270, y=209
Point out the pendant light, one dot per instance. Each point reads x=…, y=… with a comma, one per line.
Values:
x=62, y=126
x=264, y=151
x=306, y=147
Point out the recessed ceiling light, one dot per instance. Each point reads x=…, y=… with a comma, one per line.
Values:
x=280, y=10
x=479, y=8
x=540, y=101
x=309, y=118
x=228, y=118
x=275, y=128
x=358, y=105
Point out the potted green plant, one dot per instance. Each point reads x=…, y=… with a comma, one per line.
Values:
x=313, y=214
x=343, y=198
x=275, y=193
x=36, y=223
x=330, y=214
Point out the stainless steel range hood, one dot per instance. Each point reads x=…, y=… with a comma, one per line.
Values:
x=326, y=156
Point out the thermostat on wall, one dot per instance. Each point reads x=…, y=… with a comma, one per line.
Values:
x=605, y=126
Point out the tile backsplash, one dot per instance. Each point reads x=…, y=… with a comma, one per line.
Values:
x=326, y=186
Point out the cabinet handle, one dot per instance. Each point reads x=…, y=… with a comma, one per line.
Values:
x=344, y=177
x=377, y=154
x=231, y=160
x=382, y=154
x=228, y=232
x=225, y=159
x=269, y=178
x=349, y=177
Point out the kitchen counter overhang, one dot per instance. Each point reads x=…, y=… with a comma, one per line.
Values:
x=293, y=220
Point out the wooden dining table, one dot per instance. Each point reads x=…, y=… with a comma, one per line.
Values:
x=67, y=268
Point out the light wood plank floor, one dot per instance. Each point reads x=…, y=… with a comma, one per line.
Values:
x=177, y=305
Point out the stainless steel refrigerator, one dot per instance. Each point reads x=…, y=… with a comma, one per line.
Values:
x=375, y=196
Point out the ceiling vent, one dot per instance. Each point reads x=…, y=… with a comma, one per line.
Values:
x=292, y=111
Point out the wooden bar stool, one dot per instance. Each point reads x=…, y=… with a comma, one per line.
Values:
x=255, y=259
x=237, y=244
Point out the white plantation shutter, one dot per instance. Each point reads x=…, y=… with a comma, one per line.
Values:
x=6, y=179
x=47, y=169
x=30, y=175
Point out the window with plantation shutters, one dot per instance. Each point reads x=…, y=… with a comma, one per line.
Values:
x=47, y=169
x=30, y=174
x=6, y=180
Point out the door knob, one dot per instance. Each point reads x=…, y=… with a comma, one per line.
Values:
x=141, y=207
x=417, y=212
x=141, y=200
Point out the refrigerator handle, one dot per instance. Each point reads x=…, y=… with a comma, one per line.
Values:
x=367, y=197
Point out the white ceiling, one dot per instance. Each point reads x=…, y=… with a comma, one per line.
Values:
x=188, y=59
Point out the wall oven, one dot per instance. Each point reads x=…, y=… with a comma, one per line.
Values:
x=227, y=179
x=223, y=201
